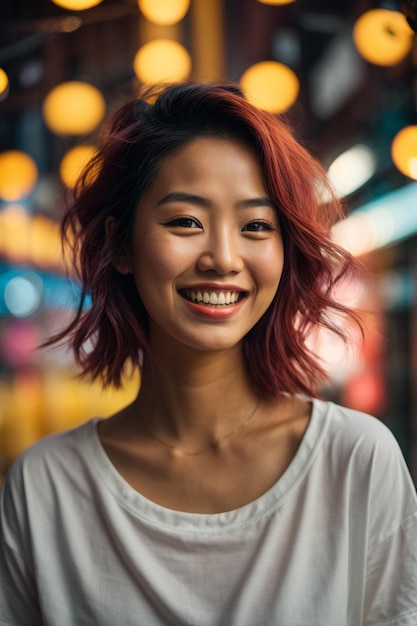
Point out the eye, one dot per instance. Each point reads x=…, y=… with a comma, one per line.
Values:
x=258, y=226
x=184, y=221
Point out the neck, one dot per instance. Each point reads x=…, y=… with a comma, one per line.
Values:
x=196, y=397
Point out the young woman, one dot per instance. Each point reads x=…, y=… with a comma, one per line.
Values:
x=226, y=493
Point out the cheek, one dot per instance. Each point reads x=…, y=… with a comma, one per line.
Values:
x=156, y=265
x=269, y=267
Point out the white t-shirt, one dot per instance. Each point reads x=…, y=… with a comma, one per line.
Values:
x=332, y=543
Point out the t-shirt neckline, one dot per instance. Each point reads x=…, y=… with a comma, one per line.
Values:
x=160, y=516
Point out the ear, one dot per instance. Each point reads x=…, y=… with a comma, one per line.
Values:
x=122, y=263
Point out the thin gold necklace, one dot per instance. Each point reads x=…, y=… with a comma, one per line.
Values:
x=213, y=443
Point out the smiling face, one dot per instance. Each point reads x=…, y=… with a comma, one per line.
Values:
x=207, y=253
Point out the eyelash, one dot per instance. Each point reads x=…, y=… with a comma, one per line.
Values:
x=185, y=221
x=266, y=226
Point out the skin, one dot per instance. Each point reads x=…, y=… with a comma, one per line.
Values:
x=206, y=226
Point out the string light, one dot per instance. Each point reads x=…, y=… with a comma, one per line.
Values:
x=276, y=2
x=18, y=175
x=270, y=86
x=73, y=164
x=404, y=151
x=73, y=108
x=382, y=36
x=164, y=12
x=4, y=85
x=77, y=5
x=162, y=60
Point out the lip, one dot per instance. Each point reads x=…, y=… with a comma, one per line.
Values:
x=215, y=311
x=214, y=287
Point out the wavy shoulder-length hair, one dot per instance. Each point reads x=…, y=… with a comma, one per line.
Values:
x=134, y=141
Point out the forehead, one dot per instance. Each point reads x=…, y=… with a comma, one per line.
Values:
x=211, y=159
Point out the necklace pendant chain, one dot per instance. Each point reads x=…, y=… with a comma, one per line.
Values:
x=213, y=443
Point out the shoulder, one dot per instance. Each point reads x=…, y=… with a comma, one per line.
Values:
x=354, y=429
x=364, y=452
x=46, y=477
x=50, y=458
x=361, y=445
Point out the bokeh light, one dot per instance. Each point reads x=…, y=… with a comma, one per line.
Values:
x=352, y=169
x=23, y=294
x=162, y=60
x=73, y=108
x=404, y=151
x=380, y=222
x=18, y=175
x=45, y=248
x=276, y=2
x=382, y=36
x=270, y=86
x=30, y=239
x=14, y=232
x=77, y=5
x=4, y=84
x=164, y=12
x=74, y=162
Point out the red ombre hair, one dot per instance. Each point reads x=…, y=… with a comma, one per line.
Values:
x=135, y=140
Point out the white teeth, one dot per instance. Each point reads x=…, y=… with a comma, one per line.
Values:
x=196, y=296
x=215, y=299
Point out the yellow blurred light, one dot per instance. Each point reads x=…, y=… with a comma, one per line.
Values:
x=18, y=175
x=24, y=425
x=4, y=84
x=277, y=2
x=164, y=12
x=45, y=242
x=270, y=86
x=74, y=163
x=382, y=36
x=413, y=167
x=73, y=108
x=77, y=5
x=24, y=238
x=14, y=233
x=404, y=151
x=162, y=60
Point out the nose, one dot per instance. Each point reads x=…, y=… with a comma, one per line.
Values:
x=222, y=253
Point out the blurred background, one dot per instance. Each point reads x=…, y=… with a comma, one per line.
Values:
x=343, y=73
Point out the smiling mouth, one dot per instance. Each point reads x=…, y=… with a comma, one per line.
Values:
x=214, y=298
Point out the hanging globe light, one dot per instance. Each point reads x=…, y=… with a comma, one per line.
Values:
x=77, y=5
x=73, y=164
x=18, y=175
x=276, y=2
x=382, y=36
x=162, y=60
x=404, y=151
x=270, y=86
x=164, y=12
x=4, y=85
x=73, y=108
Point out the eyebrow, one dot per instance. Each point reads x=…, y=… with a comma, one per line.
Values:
x=180, y=196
